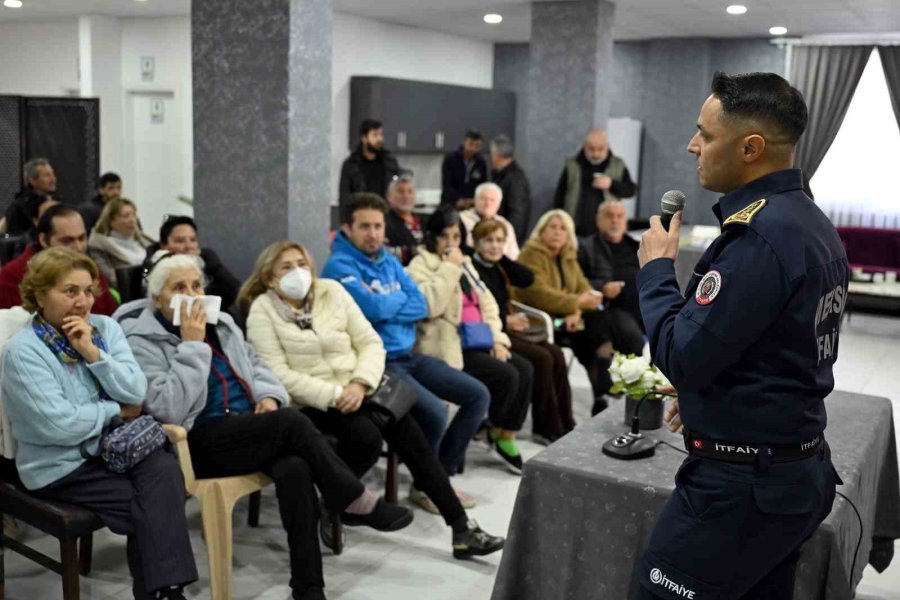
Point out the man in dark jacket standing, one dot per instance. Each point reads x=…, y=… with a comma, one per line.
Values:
x=463, y=170
x=369, y=168
x=40, y=183
x=507, y=173
x=590, y=177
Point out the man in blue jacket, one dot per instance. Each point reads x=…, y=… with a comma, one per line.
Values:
x=392, y=302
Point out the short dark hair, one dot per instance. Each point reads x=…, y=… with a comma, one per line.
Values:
x=764, y=97
x=443, y=217
x=363, y=201
x=170, y=222
x=369, y=125
x=45, y=223
x=473, y=134
x=108, y=178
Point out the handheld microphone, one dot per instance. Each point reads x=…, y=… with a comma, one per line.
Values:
x=671, y=202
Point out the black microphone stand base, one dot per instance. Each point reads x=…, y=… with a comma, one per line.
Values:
x=629, y=446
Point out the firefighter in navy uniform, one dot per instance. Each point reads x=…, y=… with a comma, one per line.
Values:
x=750, y=348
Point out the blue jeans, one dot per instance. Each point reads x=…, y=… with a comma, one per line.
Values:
x=436, y=380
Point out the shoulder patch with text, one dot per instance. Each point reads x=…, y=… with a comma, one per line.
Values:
x=708, y=288
x=745, y=215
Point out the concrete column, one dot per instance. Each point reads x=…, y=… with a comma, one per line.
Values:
x=568, y=86
x=100, y=68
x=262, y=125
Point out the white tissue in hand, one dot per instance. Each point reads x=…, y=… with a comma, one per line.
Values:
x=211, y=304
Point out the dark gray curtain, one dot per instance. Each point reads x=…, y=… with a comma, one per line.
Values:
x=827, y=76
x=890, y=61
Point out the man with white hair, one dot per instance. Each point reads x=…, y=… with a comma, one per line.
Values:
x=511, y=178
x=593, y=175
x=488, y=198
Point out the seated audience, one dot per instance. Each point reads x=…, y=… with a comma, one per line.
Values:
x=403, y=228
x=35, y=211
x=40, y=183
x=59, y=226
x=117, y=240
x=561, y=290
x=551, y=399
x=609, y=261
x=205, y=378
x=109, y=188
x=178, y=234
x=393, y=304
x=65, y=377
x=457, y=297
x=462, y=171
x=509, y=175
x=488, y=197
x=319, y=344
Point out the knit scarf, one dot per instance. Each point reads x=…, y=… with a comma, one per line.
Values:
x=302, y=316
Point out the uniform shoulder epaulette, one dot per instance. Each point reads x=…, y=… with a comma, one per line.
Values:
x=745, y=215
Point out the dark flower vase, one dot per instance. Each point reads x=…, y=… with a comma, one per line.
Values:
x=650, y=412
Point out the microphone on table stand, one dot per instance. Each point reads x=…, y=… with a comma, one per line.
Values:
x=633, y=445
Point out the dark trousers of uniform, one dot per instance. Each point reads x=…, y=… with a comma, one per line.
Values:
x=147, y=505
x=551, y=398
x=360, y=442
x=286, y=446
x=733, y=532
x=510, y=383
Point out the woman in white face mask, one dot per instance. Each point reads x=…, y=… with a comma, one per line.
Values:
x=317, y=341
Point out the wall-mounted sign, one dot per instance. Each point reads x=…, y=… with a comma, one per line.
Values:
x=157, y=110
x=148, y=68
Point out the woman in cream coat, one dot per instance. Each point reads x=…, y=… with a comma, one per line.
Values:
x=456, y=295
x=319, y=344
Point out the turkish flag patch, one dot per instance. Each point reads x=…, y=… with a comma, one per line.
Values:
x=698, y=444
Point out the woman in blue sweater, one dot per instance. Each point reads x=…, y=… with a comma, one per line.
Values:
x=65, y=376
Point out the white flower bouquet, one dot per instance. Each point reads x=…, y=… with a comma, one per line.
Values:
x=635, y=376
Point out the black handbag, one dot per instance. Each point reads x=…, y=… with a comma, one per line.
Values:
x=391, y=401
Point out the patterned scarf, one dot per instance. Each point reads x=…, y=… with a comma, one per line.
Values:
x=58, y=343
x=61, y=347
x=302, y=316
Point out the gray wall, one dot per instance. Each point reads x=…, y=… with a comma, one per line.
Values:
x=262, y=108
x=662, y=83
x=511, y=73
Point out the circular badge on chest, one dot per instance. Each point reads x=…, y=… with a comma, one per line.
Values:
x=709, y=288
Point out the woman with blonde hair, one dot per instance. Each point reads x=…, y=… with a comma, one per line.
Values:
x=317, y=341
x=117, y=240
x=66, y=376
x=561, y=289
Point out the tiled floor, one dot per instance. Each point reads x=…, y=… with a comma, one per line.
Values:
x=416, y=563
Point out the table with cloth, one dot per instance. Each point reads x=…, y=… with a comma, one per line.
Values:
x=582, y=519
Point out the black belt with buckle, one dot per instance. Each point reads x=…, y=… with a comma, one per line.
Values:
x=698, y=445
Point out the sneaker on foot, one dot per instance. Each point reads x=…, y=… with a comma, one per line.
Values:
x=325, y=530
x=384, y=517
x=421, y=498
x=475, y=542
x=510, y=454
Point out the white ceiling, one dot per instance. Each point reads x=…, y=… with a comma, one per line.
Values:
x=634, y=19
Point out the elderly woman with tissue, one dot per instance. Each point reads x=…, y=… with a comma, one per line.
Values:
x=203, y=376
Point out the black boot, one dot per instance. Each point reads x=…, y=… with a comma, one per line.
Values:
x=474, y=541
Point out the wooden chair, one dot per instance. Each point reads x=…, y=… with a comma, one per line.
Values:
x=217, y=497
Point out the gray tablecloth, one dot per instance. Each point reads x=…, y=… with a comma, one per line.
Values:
x=582, y=519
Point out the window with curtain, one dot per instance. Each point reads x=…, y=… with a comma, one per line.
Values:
x=858, y=182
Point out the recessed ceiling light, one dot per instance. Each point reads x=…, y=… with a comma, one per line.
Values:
x=778, y=30
x=12, y=3
x=492, y=18
x=736, y=9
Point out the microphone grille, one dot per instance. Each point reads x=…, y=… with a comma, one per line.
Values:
x=672, y=201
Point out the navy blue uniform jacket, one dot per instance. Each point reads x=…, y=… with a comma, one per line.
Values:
x=751, y=344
